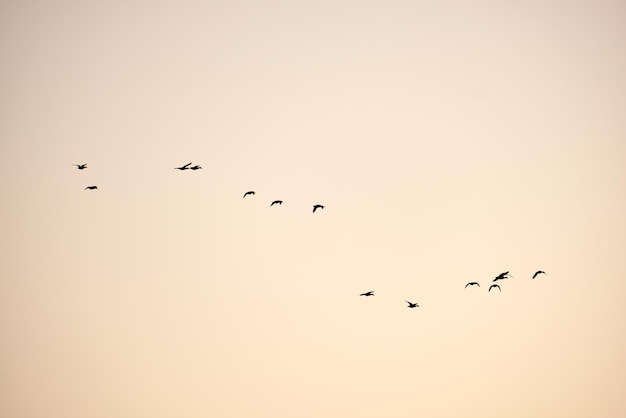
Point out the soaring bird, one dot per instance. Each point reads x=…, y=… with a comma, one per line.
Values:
x=195, y=167
x=370, y=293
x=411, y=304
x=276, y=202
x=247, y=193
x=502, y=276
x=185, y=167
x=473, y=284
x=494, y=285
x=91, y=187
x=537, y=273
x=80, y=166
x=316, y=207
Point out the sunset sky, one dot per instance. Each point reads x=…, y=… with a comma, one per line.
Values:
x=449, y=141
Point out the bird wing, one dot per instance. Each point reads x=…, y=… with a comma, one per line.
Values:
x=187, y=165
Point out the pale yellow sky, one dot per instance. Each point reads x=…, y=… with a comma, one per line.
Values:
x=449, y=141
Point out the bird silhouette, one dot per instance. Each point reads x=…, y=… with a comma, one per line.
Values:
x=316, y=207
x=502, y=276
x=251, y=192
x=185, y=167
x=473, y=284
x=537, y=273
x=91, y=187
x=276, y=202
x=411, y=304
x=493, y=286
x=195, y=167
x=80, y=166
x=370, y=293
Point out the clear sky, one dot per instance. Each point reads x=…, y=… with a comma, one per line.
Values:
x=449, y=141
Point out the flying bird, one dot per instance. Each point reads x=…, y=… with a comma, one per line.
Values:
x=537, y=273
x=316, y=207
x=247, y=193
x=91, y=187
x=195, y=167
x=502, y=276
x=185, y=167
x=411, y=304
x=370, y=293
x=276, y=202
x=473, y=284
x=493, y=286
x=80, y=166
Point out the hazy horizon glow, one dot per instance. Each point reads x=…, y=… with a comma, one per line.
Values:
x=448, y=142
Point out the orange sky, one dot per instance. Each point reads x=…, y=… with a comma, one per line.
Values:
x=448, y=141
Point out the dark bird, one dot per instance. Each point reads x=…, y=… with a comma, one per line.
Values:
x=473, y=284
x=537, y=273
x=91, y=187
x=185, y=167
x=80, y=166
x=276, y=202
x=494, y=285
x=316, y=207
x=247, y=193
x=370, y=293
x=195, y=167
x=411, y=304
x=502, y=276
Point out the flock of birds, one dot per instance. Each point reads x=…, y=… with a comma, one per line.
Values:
x=188, y=166
x=501, y=276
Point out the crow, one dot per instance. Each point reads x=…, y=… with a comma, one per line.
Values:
x=473, y=284
x=370, y=293
x=247, y=193
x=537, y=273
x=316, y=207
x=276, y=202
x=411, y=304
x=80, y=166
x=91, y=187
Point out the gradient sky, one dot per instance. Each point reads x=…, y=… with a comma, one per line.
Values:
x=449, y=141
